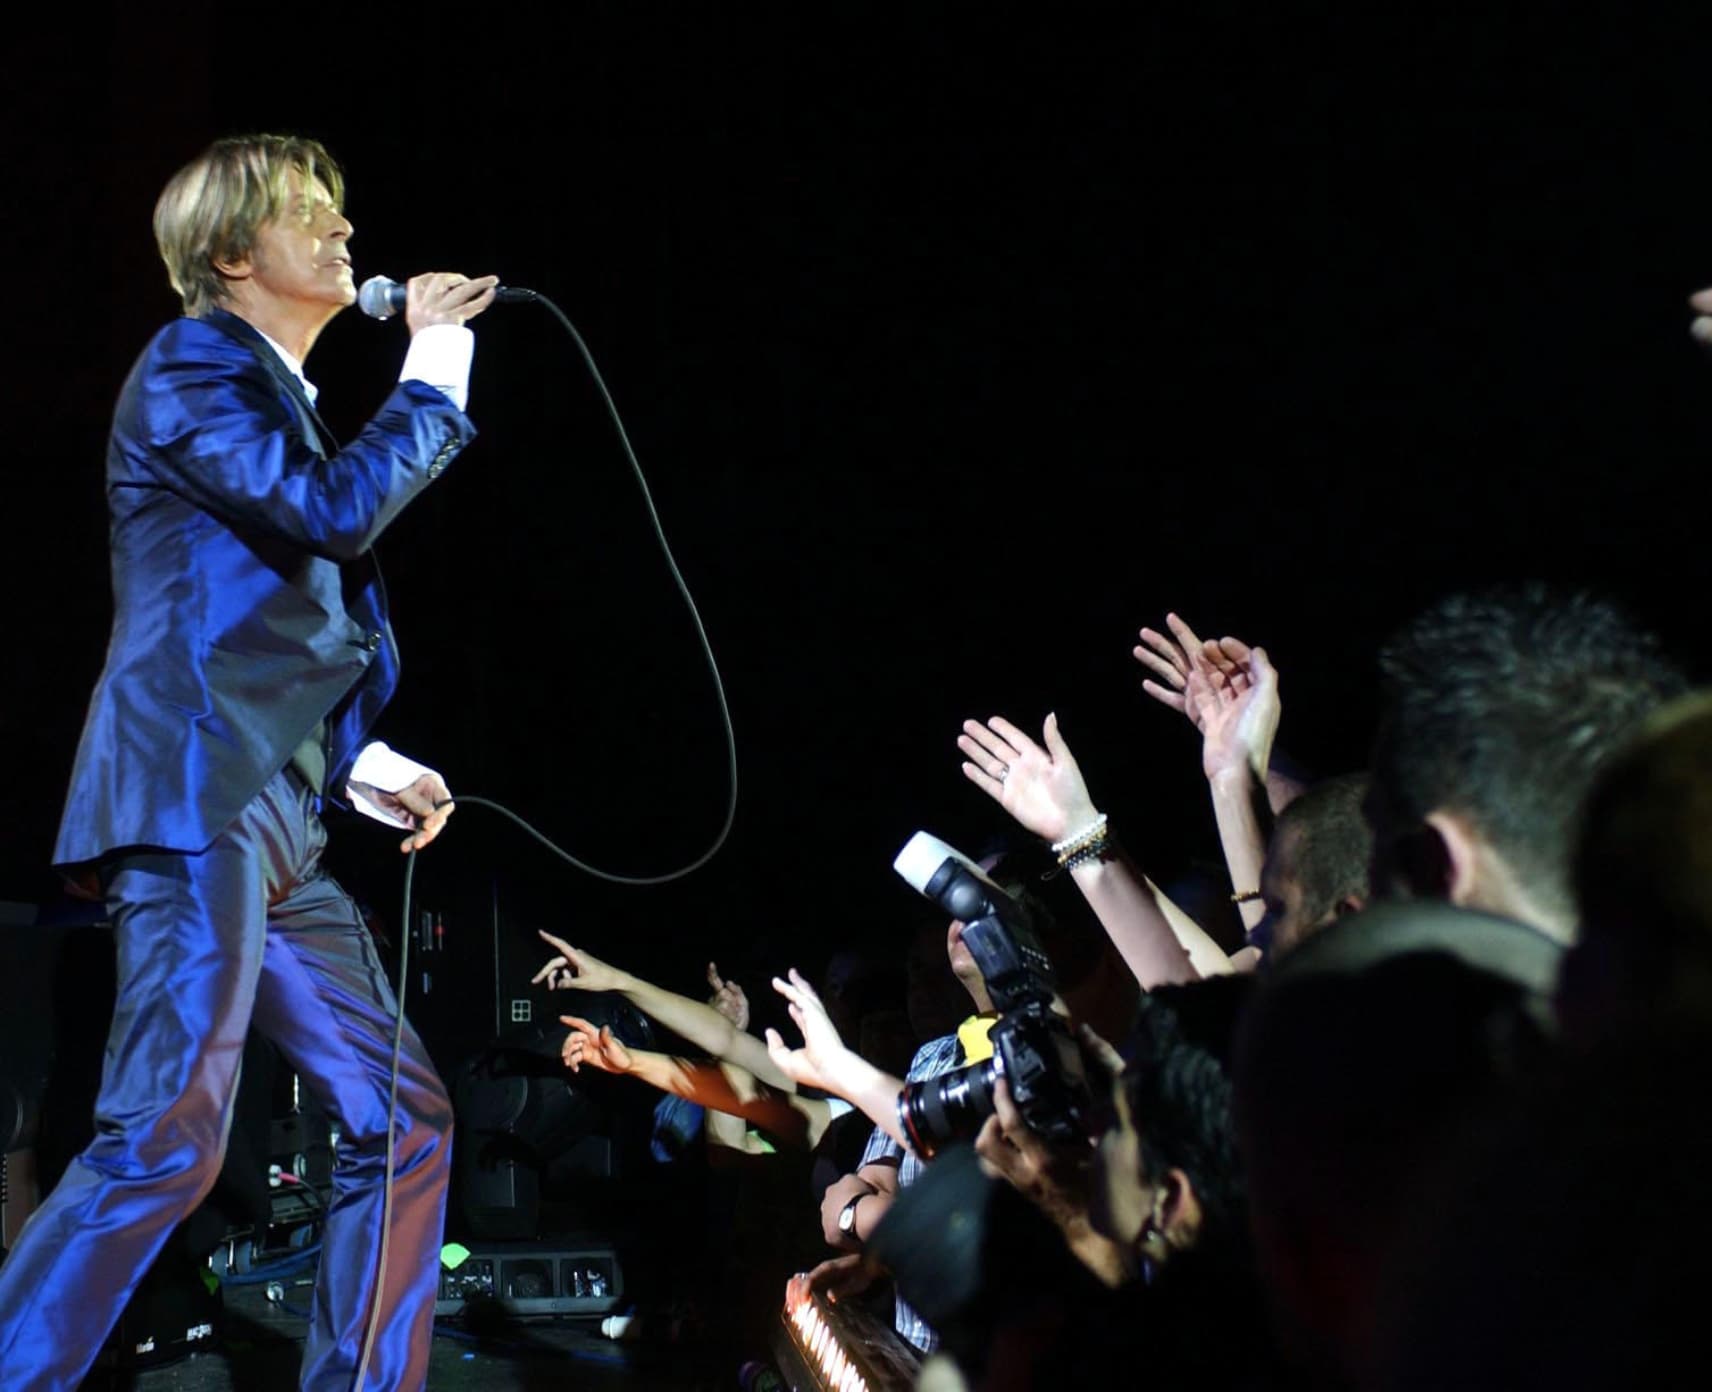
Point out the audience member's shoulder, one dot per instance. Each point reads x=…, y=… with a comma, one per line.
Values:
x=1398, y=928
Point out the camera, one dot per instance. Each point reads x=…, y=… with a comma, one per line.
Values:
x=1033, y=1049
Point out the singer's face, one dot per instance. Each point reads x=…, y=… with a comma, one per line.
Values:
x=302, y=257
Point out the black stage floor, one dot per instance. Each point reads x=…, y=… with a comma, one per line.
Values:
x=263, y=1347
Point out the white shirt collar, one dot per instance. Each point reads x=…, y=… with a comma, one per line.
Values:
x=296, y=367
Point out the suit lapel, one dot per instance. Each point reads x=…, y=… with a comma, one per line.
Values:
x=315, y=431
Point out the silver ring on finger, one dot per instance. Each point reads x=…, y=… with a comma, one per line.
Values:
x=1004, y=772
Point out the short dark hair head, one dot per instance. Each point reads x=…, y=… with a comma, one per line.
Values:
x=1181, y=1097
x=1502, y=707
x=1331, y=851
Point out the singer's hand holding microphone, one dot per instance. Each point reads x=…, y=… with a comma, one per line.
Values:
x=441, y=297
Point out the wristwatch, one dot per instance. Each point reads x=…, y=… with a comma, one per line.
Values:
x=847, y=1218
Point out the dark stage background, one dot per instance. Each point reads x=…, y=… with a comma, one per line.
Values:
x=956, y=343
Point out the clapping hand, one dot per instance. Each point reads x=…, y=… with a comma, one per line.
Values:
x=1228, y=691
x=1237, y=715
x=1222, y=662
x=1041, y=787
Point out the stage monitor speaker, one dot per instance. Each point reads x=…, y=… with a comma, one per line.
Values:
x=175, y=1311
x=538, y=1280
x=520, y=1114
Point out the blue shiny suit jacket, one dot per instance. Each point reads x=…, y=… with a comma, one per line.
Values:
x=248, y=607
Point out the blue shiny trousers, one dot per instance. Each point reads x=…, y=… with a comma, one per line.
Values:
x=250, y=932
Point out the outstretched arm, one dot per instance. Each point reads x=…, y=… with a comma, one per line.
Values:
x=720, y=1087
x=1043, y=788
x=702, y=1025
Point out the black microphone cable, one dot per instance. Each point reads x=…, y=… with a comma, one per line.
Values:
x=518, y=294
x=701, y=635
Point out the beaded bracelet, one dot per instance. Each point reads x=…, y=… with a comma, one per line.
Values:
x=1092, y=842
x=1069, y=843
x=1100, y=848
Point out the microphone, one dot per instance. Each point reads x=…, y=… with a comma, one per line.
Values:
x=381, y=298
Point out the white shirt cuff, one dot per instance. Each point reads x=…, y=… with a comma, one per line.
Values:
x=440, y=355
x=380, y=769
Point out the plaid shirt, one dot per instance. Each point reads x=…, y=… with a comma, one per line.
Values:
x=933, y=1058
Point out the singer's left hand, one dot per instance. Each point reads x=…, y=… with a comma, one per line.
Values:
x=418, y=804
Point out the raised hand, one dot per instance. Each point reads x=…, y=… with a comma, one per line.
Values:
x=1237, y=715
x=728, y=998
x=818, y=1062
x=1223, y=662
x=1171, y=660
x=576, y=969
x=1041, y=787
x=599, y=1048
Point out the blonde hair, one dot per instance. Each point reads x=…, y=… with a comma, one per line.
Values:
x=212, y=209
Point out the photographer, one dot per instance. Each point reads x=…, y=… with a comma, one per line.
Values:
x=1019, y=1032
x=1142, y=1260
x=854, y=1205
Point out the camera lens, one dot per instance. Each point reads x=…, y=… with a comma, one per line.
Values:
x=948, y=1108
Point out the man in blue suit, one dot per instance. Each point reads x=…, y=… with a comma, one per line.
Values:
x=249, y=658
